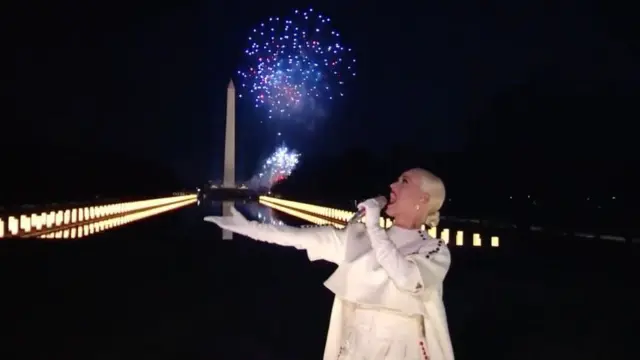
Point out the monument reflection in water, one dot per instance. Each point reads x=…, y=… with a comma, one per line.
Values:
x=251, y=209
x=261, y=213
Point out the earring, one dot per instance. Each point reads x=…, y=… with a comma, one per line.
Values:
x=417, y=207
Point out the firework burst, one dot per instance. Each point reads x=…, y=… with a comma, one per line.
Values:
x=296, y=65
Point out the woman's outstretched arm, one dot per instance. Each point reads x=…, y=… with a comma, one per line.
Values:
x=321, y=243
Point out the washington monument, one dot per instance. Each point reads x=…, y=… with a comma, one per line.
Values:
x=230, y=139
x=229, y=175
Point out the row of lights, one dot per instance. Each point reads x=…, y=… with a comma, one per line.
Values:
x=339, y=218
x=81, y=221
x=96, y=227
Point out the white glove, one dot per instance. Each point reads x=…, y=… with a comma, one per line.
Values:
x=308, y=239
x=236, y=223
x=372, y=210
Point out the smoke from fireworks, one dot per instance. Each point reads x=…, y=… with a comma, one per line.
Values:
x=296, y=65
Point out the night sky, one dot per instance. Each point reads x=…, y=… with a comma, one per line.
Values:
x=149, y=78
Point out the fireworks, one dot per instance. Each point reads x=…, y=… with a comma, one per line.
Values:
x=278, y=166
x=296, y=64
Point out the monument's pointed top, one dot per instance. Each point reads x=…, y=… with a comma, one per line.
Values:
x=230, y=86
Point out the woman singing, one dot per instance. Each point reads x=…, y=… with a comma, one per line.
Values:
x=388, y=284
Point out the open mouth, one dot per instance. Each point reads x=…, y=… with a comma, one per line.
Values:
x=392, y=198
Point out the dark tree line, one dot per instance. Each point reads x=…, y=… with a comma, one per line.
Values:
x=42, y=173
x=557, y=111
x=579, y=192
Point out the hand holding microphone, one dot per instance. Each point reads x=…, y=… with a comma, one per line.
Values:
x=370, y=211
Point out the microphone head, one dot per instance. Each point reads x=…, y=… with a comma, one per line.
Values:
x=382, y=202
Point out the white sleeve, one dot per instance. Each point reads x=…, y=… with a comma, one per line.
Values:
x=321, y=243
x=432, y=261
x=416, y=272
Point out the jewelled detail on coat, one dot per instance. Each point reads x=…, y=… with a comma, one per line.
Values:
x=345, y=349
x=423, y=347
x=432, y=252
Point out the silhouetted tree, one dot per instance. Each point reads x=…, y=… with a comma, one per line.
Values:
x=528, y=189
x=38, y=174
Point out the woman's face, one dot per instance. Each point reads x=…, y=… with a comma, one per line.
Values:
x=406, y=195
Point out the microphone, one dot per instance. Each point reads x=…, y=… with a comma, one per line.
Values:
x=382, y=202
